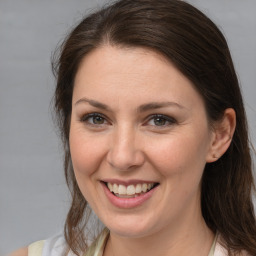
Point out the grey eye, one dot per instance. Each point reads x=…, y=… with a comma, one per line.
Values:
x=98, y=120
x=94, y=119
x=159, y=121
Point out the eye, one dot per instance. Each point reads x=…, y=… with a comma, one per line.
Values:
x=161, y=120
x=94, y=119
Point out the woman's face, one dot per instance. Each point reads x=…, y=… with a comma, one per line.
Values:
x=139, y=140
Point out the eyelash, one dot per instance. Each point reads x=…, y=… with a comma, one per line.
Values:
x=169, y=120
x=166, y=119
x=85, y=118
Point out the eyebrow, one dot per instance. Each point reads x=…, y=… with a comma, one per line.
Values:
x=157, y=105
x=142, y=108
x=93, y=103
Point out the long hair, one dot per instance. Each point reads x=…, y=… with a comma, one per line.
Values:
x=194, y=44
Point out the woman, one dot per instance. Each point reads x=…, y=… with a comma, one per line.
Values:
x=155, y=135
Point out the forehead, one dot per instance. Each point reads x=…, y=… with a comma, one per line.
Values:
x=137, y=73
x=121, y=60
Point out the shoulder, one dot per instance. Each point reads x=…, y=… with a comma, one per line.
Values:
x=54, y=246
x=20, y=252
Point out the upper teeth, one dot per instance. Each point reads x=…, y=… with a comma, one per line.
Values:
x=131, y=189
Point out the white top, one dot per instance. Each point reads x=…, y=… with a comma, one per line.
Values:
x=56, y=246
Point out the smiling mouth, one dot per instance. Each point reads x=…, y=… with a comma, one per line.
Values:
x=130, y=191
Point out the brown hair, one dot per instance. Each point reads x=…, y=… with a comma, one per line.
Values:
x=193, y=43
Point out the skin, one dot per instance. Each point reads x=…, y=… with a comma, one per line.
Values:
x=20, y=252
x=127, y=142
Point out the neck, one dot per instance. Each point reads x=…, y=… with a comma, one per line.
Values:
x=180, y=239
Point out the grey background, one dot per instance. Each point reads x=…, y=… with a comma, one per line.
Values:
x=33, y=195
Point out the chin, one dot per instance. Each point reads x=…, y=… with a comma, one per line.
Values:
x=129, y=233
x=131, y=229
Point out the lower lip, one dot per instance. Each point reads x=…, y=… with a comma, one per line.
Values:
x=127, y=203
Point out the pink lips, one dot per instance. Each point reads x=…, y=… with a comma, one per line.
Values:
x=127, y=203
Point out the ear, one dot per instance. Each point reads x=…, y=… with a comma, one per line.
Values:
x=223, y=132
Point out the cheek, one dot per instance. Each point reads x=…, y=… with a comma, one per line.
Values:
x=86, y=153
x=180, y=155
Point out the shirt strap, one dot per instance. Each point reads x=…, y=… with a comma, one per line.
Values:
x=36, y=248
x=211, y=253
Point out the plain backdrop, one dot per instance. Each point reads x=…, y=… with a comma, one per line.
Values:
x=33, y=196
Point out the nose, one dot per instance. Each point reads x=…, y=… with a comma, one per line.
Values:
x=125, y=152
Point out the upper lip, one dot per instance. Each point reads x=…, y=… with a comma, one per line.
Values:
x=127, y=182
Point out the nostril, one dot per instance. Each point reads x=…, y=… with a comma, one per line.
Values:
x=125, y=158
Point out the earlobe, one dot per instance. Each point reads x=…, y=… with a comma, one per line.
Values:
x=222, y=135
